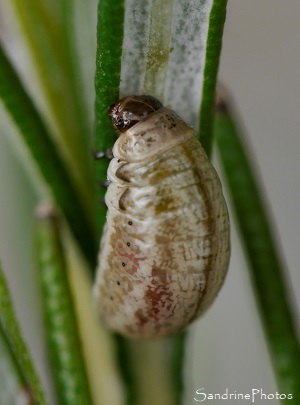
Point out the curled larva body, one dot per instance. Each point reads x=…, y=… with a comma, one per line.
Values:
x=165, y=248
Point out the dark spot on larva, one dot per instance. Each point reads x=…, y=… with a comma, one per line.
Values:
x=128, y=244
x=112, y=298
x=123, y=264
x=129, y=222
x=118, y=282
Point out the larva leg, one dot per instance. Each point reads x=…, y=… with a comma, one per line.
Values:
x=98, y=156
x=104, y=184
x=107, y=154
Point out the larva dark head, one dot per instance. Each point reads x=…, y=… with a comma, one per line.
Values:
x=132, y=109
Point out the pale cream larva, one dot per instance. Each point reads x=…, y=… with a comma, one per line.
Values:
x=165, y=248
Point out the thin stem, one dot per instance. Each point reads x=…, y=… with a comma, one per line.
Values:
x=213, y=52
x=11, y=333
x=61, y=326
x=265, y=265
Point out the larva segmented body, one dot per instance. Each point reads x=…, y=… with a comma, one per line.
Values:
x=165, y=248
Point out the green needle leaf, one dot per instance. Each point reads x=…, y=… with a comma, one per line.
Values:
x=10, y=332
x=107, y=80
x=65, y=350
x=265, y=265
x=213, y=51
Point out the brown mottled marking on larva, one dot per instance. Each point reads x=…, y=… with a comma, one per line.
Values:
x=165, y=250
x=210, y=257
x=210, y=263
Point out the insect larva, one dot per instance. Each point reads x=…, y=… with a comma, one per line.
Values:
x=165, y=247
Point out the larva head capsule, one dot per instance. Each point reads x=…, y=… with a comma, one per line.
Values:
x=130, y=110
x=147, y=128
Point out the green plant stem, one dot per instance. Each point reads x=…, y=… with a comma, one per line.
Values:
x=10, y=331
x=126, y=369
x=213, y=50
x=177, y=366
x=154, y=380
x=154, y=372
x=46, y=158
x=107, y=80
x=265, y=265
x=64, y=346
